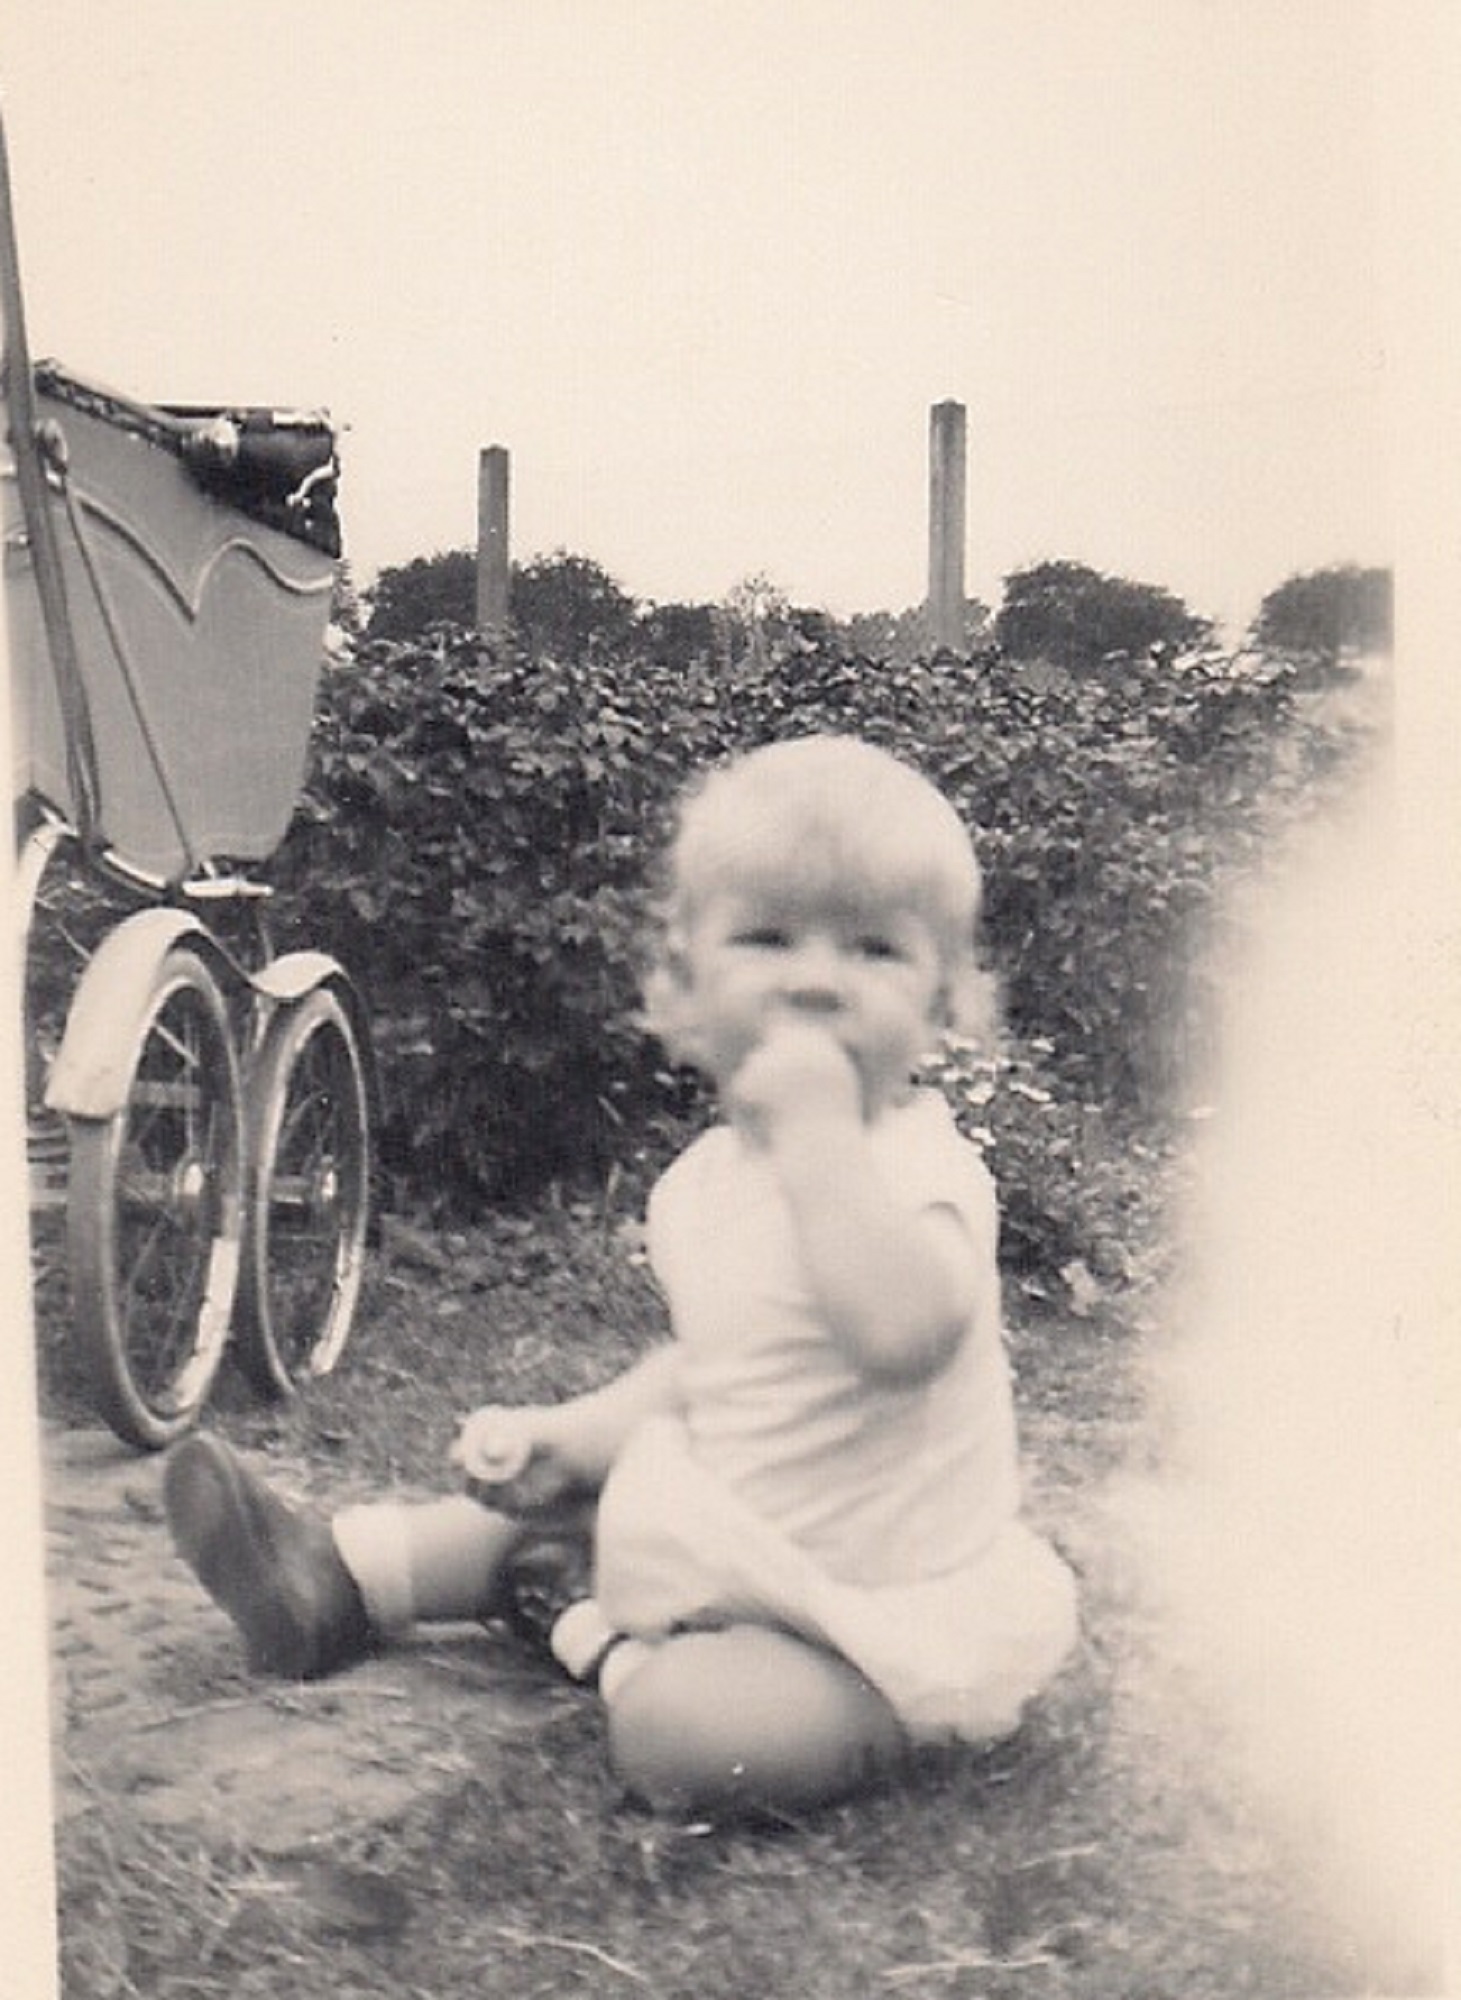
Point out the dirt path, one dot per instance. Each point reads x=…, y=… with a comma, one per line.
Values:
x=151, y=1705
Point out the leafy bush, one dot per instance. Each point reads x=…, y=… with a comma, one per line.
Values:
x=472, y=844
x=562, y=605
x=406, y=601
x=1075, y=617
x=1109, y=810
x=568, y=607
x=477, y=839
x=1077, y=1186
x=1322, y=612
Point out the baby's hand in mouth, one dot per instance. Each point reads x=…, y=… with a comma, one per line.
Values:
x=798, y=1071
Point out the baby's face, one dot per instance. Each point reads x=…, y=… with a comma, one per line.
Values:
x=870, y=975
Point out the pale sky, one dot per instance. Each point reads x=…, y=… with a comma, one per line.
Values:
x=704, y=265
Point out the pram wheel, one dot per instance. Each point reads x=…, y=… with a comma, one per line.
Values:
x=155, y=1213
x=308, y=1195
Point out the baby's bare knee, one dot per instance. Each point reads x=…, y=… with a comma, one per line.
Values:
x=748, y=1719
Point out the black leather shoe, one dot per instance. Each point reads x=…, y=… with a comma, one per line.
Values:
x=543, y=1577
x=273, y=1568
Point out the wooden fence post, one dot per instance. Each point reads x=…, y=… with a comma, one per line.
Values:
x=493, y=540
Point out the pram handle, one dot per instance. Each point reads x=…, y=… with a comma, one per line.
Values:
x=27, y=448
x=278, y=464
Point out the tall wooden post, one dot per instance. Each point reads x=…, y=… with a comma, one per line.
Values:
x=493, y=539
x=946, y=501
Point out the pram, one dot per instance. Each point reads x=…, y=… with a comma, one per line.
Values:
x=199, y=1107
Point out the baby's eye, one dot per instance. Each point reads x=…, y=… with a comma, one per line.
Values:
x=877, y=947
x=763, y=937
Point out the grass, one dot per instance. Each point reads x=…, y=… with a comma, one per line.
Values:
x=1102, y=1852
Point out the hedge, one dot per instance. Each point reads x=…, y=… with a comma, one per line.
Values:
x=477, y=842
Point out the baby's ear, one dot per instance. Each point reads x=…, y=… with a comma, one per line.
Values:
x=667, y=1012
x=969, y=1005
x=672, y=976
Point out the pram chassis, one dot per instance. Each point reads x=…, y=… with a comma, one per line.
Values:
x=199, y=1106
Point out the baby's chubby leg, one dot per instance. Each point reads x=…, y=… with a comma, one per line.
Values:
x=310, y=1595
x=745, y=1718
x=427, y=1561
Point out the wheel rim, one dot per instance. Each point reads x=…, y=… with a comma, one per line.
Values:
x=161, y=1218
x=308, y=1241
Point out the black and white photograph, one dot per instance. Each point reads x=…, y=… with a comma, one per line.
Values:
x=823, y=618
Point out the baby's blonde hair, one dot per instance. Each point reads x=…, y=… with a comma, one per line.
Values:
x=823, y=816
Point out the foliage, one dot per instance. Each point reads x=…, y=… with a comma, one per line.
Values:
x=562, y=605
x=903, y=636
x=1078, y=1188
x=477, y=839
x=1326, y=612
x=682, y=635
x=759, y=610
x=407, y=600
x=567, y=607
x=1075, y=617
x=471, y=845
x=345, y=609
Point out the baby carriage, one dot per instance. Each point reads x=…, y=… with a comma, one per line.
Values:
x=198, y=1105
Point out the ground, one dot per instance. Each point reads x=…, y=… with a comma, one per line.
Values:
x=154, y=1706
x=439, y=1822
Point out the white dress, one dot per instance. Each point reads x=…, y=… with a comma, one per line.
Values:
x=882, y=1522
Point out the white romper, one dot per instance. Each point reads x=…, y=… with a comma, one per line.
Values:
x=880, y=1521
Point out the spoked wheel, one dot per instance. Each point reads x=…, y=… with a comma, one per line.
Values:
x=155, y=1213
x=308, y=1195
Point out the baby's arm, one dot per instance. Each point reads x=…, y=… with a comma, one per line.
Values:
x=525, y=1459
x=896, y=1287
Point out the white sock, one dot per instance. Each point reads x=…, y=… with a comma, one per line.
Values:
x=580, y=1638
x=373, y=1544
x=587, y=1647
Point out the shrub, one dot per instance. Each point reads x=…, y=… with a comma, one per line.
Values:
x=1077, y=1187
x=1109, y=812
x=471, y=844
x=476, y=839
x=408, y=600
x=1323, y=612
x=1074, y=616
x=561, y=604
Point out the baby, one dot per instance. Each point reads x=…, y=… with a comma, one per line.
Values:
x=807, y=1548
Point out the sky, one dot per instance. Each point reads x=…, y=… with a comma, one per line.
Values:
x=704, y=266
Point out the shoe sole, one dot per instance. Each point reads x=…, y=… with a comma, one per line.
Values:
x=217, y=1532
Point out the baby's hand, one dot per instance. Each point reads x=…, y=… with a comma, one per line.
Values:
x=798, y=1071
x=512, y=1460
